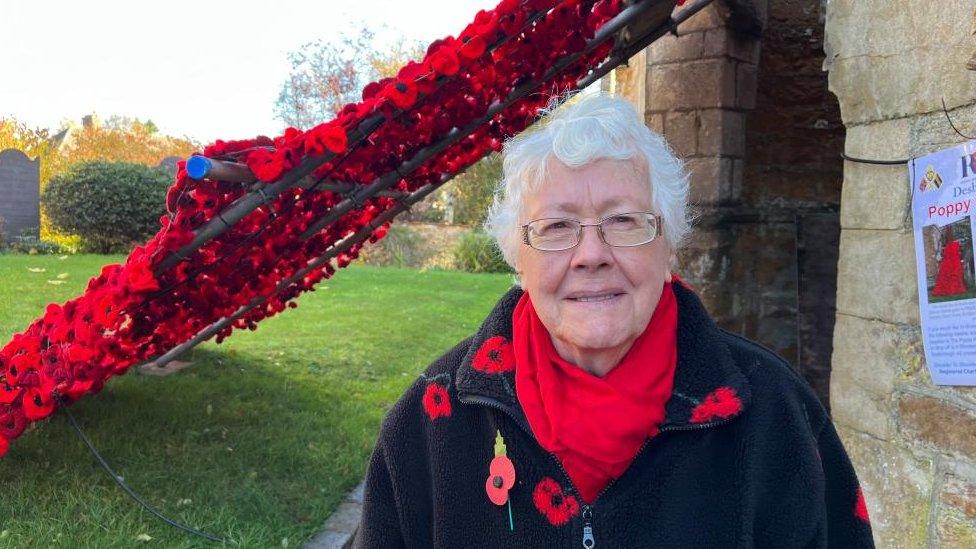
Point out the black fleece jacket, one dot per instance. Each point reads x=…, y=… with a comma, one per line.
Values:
x=746, y=457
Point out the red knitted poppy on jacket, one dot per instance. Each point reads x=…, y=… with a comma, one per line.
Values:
x=595, y=426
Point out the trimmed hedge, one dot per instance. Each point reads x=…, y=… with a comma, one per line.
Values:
x=110, y=205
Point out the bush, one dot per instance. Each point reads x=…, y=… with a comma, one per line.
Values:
x=109, y=205
x=478, y=253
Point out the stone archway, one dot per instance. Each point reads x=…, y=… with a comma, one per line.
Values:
x=740, y=94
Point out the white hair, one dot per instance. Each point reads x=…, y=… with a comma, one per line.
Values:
x=576, y=133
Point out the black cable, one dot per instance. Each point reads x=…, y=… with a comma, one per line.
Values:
x=878, y=162
x=946, y=111
x=62, y=405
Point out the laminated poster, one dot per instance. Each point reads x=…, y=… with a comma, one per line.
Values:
x=943, y=205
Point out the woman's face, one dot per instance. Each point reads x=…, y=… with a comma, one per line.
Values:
x=622, y=285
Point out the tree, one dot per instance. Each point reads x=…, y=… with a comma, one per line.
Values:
x=34, y=142
x=123, y=139
x=327, y=74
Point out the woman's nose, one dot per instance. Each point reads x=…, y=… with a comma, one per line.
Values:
x=591, y=251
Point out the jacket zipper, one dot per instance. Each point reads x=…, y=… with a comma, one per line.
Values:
x=589, y=538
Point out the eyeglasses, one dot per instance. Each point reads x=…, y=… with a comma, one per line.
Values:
x=554, y=234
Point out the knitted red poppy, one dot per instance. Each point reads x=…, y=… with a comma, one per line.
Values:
x=38, y=403
x=436, y=401
x=403, y=93
x=556, y=506
x=861, y=507
x=720, y=403
x=12, y=422
x=444, y=61
x=494, y=356
x=8, y=393
x=326, y=137
x=266, y=165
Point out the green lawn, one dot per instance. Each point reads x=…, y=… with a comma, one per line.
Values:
x=258, y=440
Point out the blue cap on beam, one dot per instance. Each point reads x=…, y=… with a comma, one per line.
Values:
x=197, y=167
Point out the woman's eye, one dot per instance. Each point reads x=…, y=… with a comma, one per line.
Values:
x=556, y=225
x=622, y=220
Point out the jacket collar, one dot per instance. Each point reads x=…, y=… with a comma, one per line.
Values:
x=709, y=388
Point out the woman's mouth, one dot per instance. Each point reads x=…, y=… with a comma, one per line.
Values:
x=595, y=298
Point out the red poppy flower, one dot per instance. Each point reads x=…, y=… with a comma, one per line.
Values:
x=327, y=137
x=20, y=365
x=444, y=61
x=139, y=275
x=556, y=506
x=8, y=393
x=861, y=507
x=12, y=422
x=718, y=404
x=494, y=356
x=266, y=165
x=403, y=93
x=3, y=446
x=37, y=403
x=501, y=478
x=436, y=401
x=474, y=46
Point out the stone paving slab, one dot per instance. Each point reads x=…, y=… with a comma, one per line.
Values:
x=340, y=528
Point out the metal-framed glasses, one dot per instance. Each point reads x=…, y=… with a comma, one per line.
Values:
x=553, y=234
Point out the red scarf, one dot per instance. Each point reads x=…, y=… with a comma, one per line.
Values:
x=595, y=426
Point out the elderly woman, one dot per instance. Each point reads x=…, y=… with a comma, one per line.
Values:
x=599, y=405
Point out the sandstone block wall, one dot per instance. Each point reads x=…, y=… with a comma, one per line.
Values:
x=891, y=62
x=740, y=95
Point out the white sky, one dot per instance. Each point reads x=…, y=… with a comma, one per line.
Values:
x=204, y=69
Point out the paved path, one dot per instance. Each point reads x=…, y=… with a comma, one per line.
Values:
x=338, y=531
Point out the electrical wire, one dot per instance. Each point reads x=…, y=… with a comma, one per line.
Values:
x=118, y=480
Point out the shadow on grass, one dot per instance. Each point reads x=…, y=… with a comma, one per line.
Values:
x=236, y=445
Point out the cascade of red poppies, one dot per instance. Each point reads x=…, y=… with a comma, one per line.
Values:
x=950, y=281
x=135, y=311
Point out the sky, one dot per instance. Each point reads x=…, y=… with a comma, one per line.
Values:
x=202, y=69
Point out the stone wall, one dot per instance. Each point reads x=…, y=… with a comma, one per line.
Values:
x=891, y=62
x=740, y=95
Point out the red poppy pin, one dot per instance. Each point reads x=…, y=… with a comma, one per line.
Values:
x=501, y=473
x=501, y=477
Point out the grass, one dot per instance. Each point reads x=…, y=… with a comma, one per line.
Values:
x=257, y=441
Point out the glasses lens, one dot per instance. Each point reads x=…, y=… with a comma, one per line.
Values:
x=553, y=234
x=629, y=229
